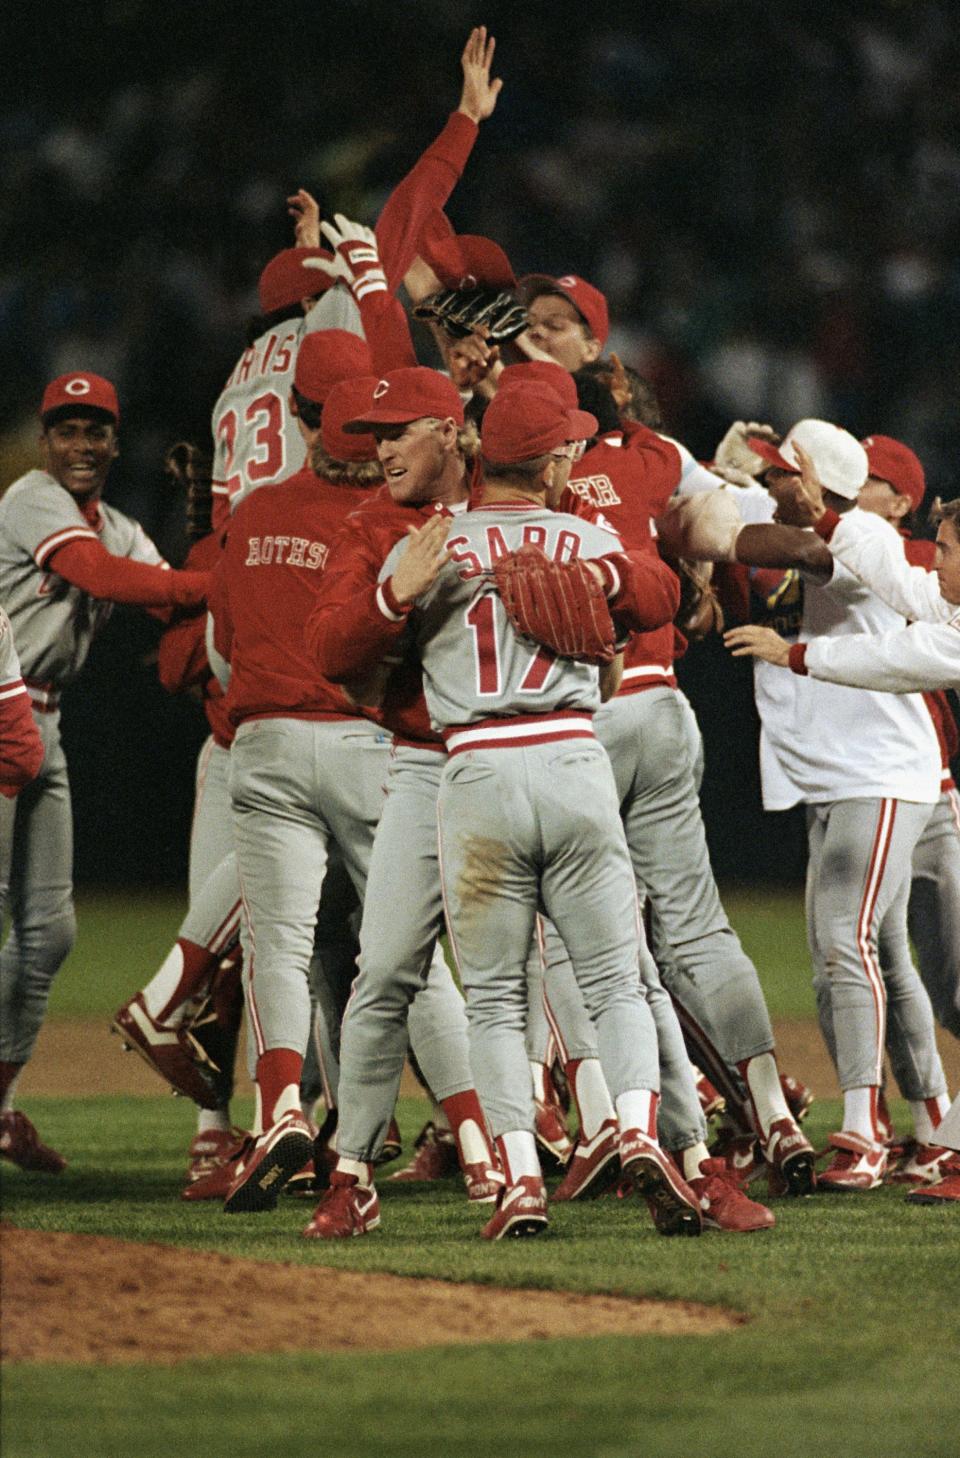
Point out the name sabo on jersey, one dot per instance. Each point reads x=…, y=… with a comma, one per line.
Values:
x=566, y=547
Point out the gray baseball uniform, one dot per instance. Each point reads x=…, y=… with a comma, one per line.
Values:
x=528, y=816
x=55, y=624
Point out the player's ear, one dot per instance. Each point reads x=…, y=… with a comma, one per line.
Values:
x=593, y=349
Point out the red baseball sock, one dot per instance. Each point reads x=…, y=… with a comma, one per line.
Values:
x=278, y=1071
x=468, y=1126
x=185, y=972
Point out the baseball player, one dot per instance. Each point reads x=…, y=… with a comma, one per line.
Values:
x=351, y=1205
x=65, y=558
x=865, y=809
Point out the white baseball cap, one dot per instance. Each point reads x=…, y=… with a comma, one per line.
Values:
x=839, y=459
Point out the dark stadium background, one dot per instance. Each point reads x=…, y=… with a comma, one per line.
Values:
x=769, y=194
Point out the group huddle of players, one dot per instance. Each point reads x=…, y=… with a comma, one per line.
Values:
x=433, y=616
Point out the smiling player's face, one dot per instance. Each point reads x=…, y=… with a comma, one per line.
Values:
x=78, y=451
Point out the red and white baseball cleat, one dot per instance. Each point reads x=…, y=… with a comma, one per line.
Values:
x=924, y=1164
x=213, y=1163
x=798, y=1097
x=740, y=1153
x=551, y=1132
x=858, y=1164
x=347, y=1208
x=790, y=1160
x=723, y=1204
x=435, y=1157
x=272, y=1160
x=594, y=1165
x=521, y=1210
x=650, y=1171
x=712, y=1101
x=20, y=1143
x=171, y=1052
x=944, y=1192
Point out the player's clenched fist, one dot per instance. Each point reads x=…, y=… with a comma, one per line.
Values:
x=421, y=560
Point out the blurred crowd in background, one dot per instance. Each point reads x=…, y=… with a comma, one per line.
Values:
x=768, y=194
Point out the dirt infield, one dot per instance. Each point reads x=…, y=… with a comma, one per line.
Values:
x=86, y=1299
x=79, y=1056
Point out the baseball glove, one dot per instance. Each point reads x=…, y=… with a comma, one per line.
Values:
x=460, y=312
x=561, y=605
x=187, y=466
x=699, y=613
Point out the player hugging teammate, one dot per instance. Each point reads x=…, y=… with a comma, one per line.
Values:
x=439, y=671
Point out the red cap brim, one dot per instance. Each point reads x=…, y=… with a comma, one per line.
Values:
x=769, y=452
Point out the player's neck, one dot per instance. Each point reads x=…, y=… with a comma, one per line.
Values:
x=494, y=491
x=453, y=484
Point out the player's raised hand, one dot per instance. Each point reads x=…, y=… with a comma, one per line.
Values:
x=810, y=485
x=306, y=219
x=752, y=641
x=356, y=245
x=479, y=96
x=422, y=558
x=733, y=458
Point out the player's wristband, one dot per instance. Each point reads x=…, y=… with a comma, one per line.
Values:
x=826, y=525
x=797, y=660
x=388, y=604
x=611, y=575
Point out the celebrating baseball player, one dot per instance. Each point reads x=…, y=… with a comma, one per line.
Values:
x=65, y=558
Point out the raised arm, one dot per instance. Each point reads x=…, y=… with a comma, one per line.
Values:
x=876, y=557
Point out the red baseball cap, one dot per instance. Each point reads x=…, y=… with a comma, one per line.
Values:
x=467, y=261
x=891, y=461
x=589, y=302
x=412, y=393
x=80, y=388
x=327, y=356
x=528, y=420
x=341, y=405
x=285, y=280
x=541, y=372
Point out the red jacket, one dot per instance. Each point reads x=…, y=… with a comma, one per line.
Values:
x=265, y=588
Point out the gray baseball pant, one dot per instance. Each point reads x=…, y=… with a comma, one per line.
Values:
x=528, y=827
x=933, y=912
x=858, y=880
x=36, y=890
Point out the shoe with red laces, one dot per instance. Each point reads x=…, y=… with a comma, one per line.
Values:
x=712, y=1102
x=551, y=1132
x=392, y=1145
x=215, y=1159
x=798, y=1097
x=521, y=1210
x=790, y=1160
x=944, y=1192
x=20, y=1143
x=347, y=1208
x=264, y=1169
x=924, y=1165
x=435, y=1157
x=858, y=1163
x=650, y=1171
x=593, y=1167
x=172, y=1052
x=723, y=1204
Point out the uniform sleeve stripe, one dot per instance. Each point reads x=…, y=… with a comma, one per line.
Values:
x=12, y=688
x=58, y=539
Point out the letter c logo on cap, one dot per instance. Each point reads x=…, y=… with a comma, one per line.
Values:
x=567, y=282
x=78, y=386
x=381, y=389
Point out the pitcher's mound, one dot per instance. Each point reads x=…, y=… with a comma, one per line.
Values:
x=84, y=1298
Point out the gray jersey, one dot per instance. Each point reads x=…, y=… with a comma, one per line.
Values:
x=475, y=665
x=54, y=622
x=256, y=441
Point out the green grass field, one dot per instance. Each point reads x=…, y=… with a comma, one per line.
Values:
x=851, y=1347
